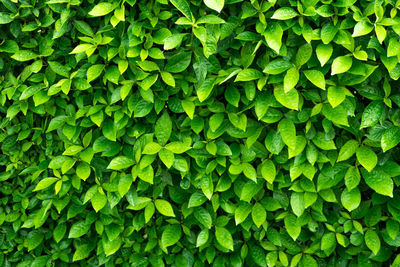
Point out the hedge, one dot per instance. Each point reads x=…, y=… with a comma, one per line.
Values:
x=199, y=133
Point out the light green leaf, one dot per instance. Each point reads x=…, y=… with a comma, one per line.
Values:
x=291, y=78
x=351, y=199
x=99, y=200
x=336, y=95
x=347, y=150
x=287, y=131
x=268, y=171
x=44, y=183
x=379, y=181
x=367, y=158
x=324, y=53
x=372, y=241
x=224, y=237
x=258, y=214
x=341, y=64
x=171, y=235
x=289, y=99
x=184, y=7
x=102, y=9
x=163, y=128
x=94, y=71
x=372, y=113
x=284, y=13
x=316, y=77
x=120, y=162
x=248, y=75
x=164, y=207
x=217, y=5
x=390, y=138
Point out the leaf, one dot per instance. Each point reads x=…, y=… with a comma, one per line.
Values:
x=371, y=115
x=291, y=226
x=289, y=100
x=362, y=27
x=183, y=6
x=171, y=235
x=248, y=75
x=78, y=229
x=303, y=54
x=367, y=158
x=268, y=171
x=316, y=77
x=324, y=53
x=94, y=72
x=177, y=147
x=328, y=241
x=164, y=207
x=258, y=214
x=224, y=237
x=120, y=162
x=24, y=55
x=273, y=36
x=347, y=150
x=204, y=89
x=99, y=200
x=379, y=181
x=34, y=239
x=44, y=183
x=284, y=13
x=287, y=131
x=372, y=241
x=341, y=64
x=216, y=5
x=163, y=129
x=207, y=186
x=167, y=157
x=277, y=66
x=351, y=199
x=102, y=9
x=179, y=62
x=202, y=238
x=336, y=95
x=390, y=138
x=59, y=68
x=297, y=203
x=291, y=78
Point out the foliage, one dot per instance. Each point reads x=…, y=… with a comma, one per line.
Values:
x=196, y=133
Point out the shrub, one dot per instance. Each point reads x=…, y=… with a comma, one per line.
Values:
x=196, y=133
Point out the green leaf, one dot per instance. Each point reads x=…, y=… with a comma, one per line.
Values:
x=297, y=203
x=258, y=214
x=289, y=100
x=347, y=150
x=328, y=241
x=34, y=239
x=168, y=78
x=94, y=72
x=268, y=171
x=291, y=78
x=179, y=62
x=248, y=75
x=284, y=13
x=390, y=138
x=59, y=68
x=224, y=237
x=379, y=181
x=303, y=54
x=124, y=184
x=202, y=238
x=287, y=131
x=78, y=229
x=341, y=64
x=324, y=53
x=372, y=241
x=83, y=170
x=205, y=88
x=167, y=157
x=324, y=144
x=184, y=7
x=362, y=27
x=24, y=55
x=351, y=199
x=44, y=183
x=216, y=5
x=110, y=247
x=273, y=36
x=207, y=186
x=82, y=252
x=277, y=66
x=336, y=95
x=102, y=9
x=99, y=200
x=5, y=18
x=163, y=129
x=151, y=148
x=367, y=158
x=242, y=212
x=177, y=147
x=372, y=113
x=120, y=162
x=164, y=207
x=171, y=235
x=291, y=226
x=316, y=77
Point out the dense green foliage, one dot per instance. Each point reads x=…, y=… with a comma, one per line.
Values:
x=199, y=132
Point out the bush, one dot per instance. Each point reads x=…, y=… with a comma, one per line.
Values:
x=196, y=133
